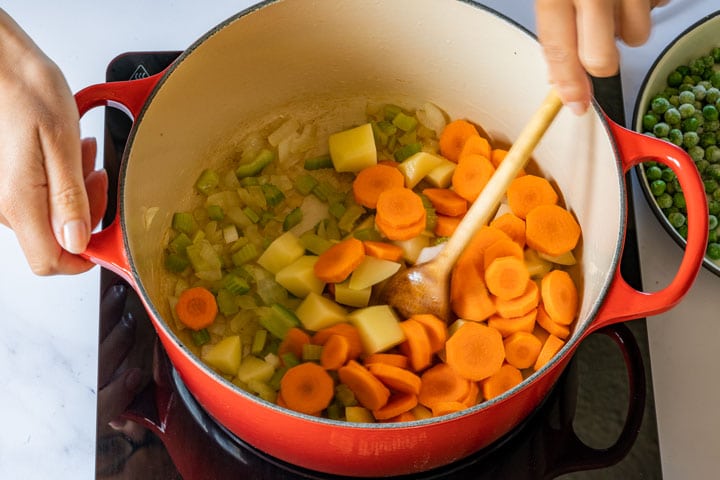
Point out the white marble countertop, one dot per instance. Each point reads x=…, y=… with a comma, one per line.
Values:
x=48, y=348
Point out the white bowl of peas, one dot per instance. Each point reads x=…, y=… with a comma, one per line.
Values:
x=680, y=102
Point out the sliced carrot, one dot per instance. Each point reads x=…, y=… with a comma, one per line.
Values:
x=347, y=330
x=559, y=296
x=368, y=389
x=445, y=226
x=501, y=381
x=441, y=383
x=529, y=191
x=371, y=181
x=551, y=229
x=196, y=308
x=480, y=241
x=476, y=144
x=383, y=250
x=446, y=408
x=519, y=306
x=469, y=297
x=475, y=351
x=507, y=277
x=446, y=201
x=435, y=328
x=398, y=404
x=471, y=175
x=551, y=346
x=402, y=233
x=498, y=155
x=416, y=344
x=503, y=247
x=396, y=378
x=508, y=326
x=293, y=342
x=522, y=349
x=551, y=326
x=337, y=262
x=400, y=207
x=307, y=388
x=408, y=416
x=513, y=225
x=472, y=397
x=335, y=352
x=394, y=359
x=453, y=137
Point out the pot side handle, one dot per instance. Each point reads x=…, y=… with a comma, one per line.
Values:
x=622, y=301
x=106, y=247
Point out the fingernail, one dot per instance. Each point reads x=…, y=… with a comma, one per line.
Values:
x=578, y=108
x=133, y=379
x=75, y=236
x=128, y=320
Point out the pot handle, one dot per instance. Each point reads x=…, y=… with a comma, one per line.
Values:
x=573, y=454
x=106, y=247
x=623, y=302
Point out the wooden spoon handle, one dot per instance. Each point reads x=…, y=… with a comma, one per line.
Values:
x=488, y=200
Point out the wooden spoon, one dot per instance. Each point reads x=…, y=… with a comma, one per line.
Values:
x=425, y=288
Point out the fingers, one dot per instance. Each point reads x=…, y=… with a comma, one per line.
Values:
x=634, y=21
x=596, y=37
x=556, y=29
x=115, y=347
x=115, y=397
x=112, y=305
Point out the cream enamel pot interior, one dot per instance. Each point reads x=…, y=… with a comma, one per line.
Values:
x=322, y=60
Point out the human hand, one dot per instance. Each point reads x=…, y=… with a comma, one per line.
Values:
x=578, y=38
x=50, y=194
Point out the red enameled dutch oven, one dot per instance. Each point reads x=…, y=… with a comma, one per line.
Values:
x=322, y=61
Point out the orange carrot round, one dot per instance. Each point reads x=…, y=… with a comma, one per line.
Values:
x=399, y=208
x=476, y=144
x=393, y=359
x=408, y=416
x=196, y=308
x=398, y=404
x=529, y=191
x=335, y=352
x=446, y=201
x=469, y=297
x=383, y=250
x=497, y=156
x=400, y=233
x=508, y=326
x=551, y=346
x=371, y=181
x=513, y=225
x=453, y=137
x=519, y=306
x=480, y=241
x=551, y=326
x=435, y=328
x=368, y=389
x=293, y=342
x=475, y=351
x=507, y=277
x=501, y=381
x=337, y=262
x=472, y=397
x=441, y=383
x=504, y=247
x=347, y=330
x=471, y=175
x=445, y=226
x=522, y=349
x=446, y=408
x=396, y=378
x=559, y=296
x=307, y=388
x=551, y=229
x=417, y=344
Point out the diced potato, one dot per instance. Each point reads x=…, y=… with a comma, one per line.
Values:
x=537, y=265
x=359, y=415
x=441, y=175
x=371, y=271
x=566, y=258
x=253, y=368
x=299, y=277
x=282, y=252
x=378, y=327
x=354, y=149
x=413, y=247
x=351, y=296
x=421, y=412
x=316, y=312
x=225, y=355
x=417, y=166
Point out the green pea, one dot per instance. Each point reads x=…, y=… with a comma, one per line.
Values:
x=664, y=200
x=686, y=96
x=649, y=121
x=679, y=200
x=713, y=171
x=713, y=251
x=711, y=126
x=707, y=139
x=690, y=139
x=683, y=70
x=697, y=67
x=677, y=219
x=653, y=172
x=712, y=154
x=675, y=78
x=696, y=153
x=712, y=95
x=710, y=112
x=690, y=124
x=659, y=105
x=672, y=116
x=712, y=222
x=699, y=91
x=683, y=231
x=658, y=187
x=715, y=79
x=686, y=110
x=715, y=52
x=714, y=207
x=661, y=129
x=675, y=135
x=711, y=185
x=712, y=236
x=667, y=174
x=701, y=165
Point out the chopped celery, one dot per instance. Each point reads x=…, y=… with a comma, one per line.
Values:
x=253, y=197
x=383, y=131
x=235, y=284
x=274, y=381
x=207, y=181
x=215, y=212
x=316, y=163
x=261, y=160
x=367, y=234
x=292, y=218
x=305, y=184
x=408, y=138
x=237, y=216
x=246, y=253
x=184, y=222
x=391, y=111
x=250, y=181
x=278, y=320
x=311, y=352
x=273, y=195
x=200, y=337
x=405, y=151
x=251, y=214
x=263, y=390
x=259, y=340
x=405, y=122
x=344, y=395
x=180, y=243
x=327, y=193
x=337, y=209
x=176, y=263
x=330, y=230
x=346, y=223
x=335, y=411
x=205, y=260
x=314, y=243
x=226, y=302
x=289, y=359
